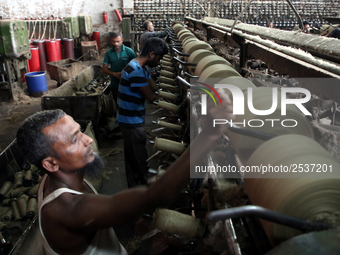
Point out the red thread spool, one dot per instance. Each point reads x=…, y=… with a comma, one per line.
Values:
x=51, y=50
x=68, y=48
x=58, y=41
x=96, y=37
x=118, y=15
x=105, y=17
x=42, y=54
x=34, y=63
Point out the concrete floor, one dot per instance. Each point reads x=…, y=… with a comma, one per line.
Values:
x=113, y=178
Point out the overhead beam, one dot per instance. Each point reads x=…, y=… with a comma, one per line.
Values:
x=318, y=81
x=319, y=76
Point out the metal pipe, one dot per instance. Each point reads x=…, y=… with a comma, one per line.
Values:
x=296, y=13
x=190, y=76
x=175, y=44
x=213, y=8
x=174, y=39
x=240, y=15
x=269, y=215
x=184, y=63
x=251, y=133
x=180, y=53
x=202, y=8
x=170, y=31
x=180, y=79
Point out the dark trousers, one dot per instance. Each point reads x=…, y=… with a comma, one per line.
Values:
x=135, y=155
x=114, y=92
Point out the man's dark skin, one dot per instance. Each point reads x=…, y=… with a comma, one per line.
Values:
x=150, y=60
x=117, y=45
x=70, y=221
x=150, y=27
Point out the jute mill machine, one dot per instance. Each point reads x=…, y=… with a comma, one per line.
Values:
x=72, y=30
x=253, y=213
x=14, y=52
x=15, y=46
x=78, y=28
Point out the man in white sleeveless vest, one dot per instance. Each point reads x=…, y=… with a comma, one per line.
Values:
x=73, y=218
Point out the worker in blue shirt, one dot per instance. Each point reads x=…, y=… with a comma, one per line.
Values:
x=117, y=57
x=134, y=88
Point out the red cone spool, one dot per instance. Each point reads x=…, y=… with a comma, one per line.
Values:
x=68, y=48
x=96, y=37
x=51, y=50
x=34, y=63
x=42, y=54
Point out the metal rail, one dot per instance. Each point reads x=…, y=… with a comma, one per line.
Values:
x=278, y=48
x=266, y=214
x=322, y=45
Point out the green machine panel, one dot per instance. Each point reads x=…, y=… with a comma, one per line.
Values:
x=14, y=41
x=126, y=28
x=70, y=27
x=85, y=24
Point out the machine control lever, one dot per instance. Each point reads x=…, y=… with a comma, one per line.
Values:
x=266, y=214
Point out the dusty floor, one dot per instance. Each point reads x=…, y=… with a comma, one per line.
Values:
x=111, y=146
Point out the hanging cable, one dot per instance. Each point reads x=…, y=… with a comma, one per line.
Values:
x=240, y=15
x=290, y=4
x=35, y=23
x=29, y=28
x=39, y=28
x=49, y=30
x=55, y=30
x=296, y=13
x=43, y=35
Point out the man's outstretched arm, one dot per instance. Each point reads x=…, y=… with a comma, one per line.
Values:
x=92, y=212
